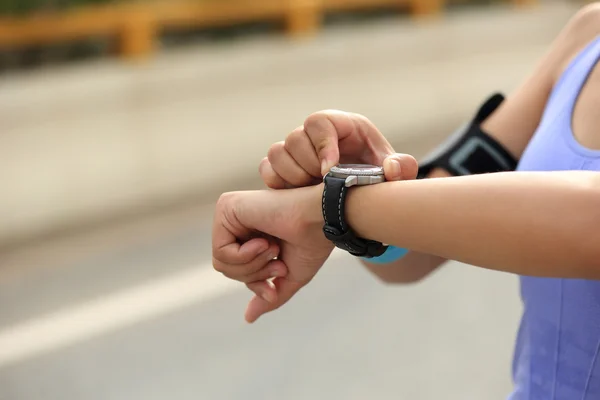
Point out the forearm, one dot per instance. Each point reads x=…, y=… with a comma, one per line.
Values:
x=540, y=224
x=512, y=125
x=414, y=266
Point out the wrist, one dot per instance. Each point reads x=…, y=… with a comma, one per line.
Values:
x=312, y=208
x=360, y=204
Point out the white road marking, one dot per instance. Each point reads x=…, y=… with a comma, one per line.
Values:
x=115, y=311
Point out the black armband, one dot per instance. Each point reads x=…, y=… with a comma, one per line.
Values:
x=470, y=150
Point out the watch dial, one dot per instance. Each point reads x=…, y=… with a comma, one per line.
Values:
x=343, y=170
x=358, y=166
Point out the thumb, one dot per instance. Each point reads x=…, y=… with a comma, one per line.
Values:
x=398, y=167
x=258, y=306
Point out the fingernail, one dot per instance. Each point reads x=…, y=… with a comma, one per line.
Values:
x=276, y=273
x=268, y=296
x=394, y=171
x=262, y=248
x=271, y=255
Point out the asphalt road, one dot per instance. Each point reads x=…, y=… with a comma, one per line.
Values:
x=134, y=311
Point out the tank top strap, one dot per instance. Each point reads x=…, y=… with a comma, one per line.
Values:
x=572, y=80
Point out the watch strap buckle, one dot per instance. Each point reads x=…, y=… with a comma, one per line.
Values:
x=349, y=242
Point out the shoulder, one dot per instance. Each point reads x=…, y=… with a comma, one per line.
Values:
x=582, y=28
x=585, y=118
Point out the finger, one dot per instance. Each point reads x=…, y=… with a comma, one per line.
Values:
x=262, y=287
x=286, y=167
x=324, y=138
x=272, y=269
x=264, y=290
x=237, y=254
x=327, y=129
x=222, y=232
x=285, y=289
x=378, y=145
x=269, y=176
x=301, y=149
x=400, y=167
x=258, y=268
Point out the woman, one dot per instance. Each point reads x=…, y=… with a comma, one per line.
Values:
x=541, y=222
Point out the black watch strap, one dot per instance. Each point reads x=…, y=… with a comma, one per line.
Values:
x=336, y=228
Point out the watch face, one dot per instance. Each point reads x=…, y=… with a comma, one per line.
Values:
x=357, y=169
x=357, y=166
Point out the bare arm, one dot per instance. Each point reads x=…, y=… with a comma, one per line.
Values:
x=513, y=125
x=529, y=223
x=538, y=224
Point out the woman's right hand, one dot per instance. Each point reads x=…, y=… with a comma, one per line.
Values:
x=325, y=139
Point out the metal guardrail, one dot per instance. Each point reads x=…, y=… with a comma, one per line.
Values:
x=137, y=25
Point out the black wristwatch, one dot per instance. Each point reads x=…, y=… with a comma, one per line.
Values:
x=337, y=183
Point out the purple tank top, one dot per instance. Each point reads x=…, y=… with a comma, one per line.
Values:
x=558, y=343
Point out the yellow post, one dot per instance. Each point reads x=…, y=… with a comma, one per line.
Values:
x=137, y=38
x=303, y=17
x=426, y=8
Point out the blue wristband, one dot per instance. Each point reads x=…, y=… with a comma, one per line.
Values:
x=392, y=254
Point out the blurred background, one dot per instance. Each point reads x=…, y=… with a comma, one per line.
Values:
x=122, y=122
